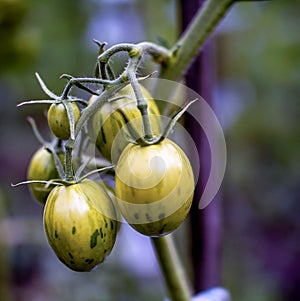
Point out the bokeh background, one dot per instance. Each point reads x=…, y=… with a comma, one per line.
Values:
x=257, y=100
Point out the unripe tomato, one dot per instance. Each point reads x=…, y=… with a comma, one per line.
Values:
x=111, y=193
x=154, y=187
x=42, y=167
x=58, y=119
x=80, y=225
x=112, y=116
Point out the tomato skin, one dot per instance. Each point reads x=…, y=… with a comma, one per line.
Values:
x=79, y=224
x=112, y=116
x=111, y=193
x=154, y=187
x=42, y=167
x=58, y=119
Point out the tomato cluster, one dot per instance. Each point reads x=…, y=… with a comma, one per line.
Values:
x=153, y=181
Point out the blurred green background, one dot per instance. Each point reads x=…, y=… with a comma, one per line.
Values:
x=257, y=99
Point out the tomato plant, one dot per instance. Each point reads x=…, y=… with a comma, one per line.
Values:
x=123, y=113
x=154, y=180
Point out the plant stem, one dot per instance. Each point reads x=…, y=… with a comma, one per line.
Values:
x=68, y=160
x=191, y=41
x=91, y=109
x=142, y=104
x=173, y=272
x=36, y=132
x=71, y=118
x=183, y=52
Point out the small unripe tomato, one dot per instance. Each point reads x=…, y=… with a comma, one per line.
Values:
x=42, y=167
x=79, y=222
x=113, y=116
x=154, y=187
x=58, y=119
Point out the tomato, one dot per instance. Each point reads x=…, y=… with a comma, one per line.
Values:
x=154, y=187
x=79, y=222
x=42, y=167
x=58, y=119
x=112, y=116
x=111, y=193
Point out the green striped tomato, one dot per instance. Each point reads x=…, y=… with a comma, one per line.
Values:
x=112, y=116
x=79, y=222
x=110, y=191
x=58, y=119
x=154, y=187
x=42, y=167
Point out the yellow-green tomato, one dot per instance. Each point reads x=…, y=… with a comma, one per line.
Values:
x=113, y=116
x=58, y=119
x=154, y=187
x=80, y=225
x=111, y=193
x=42, y=167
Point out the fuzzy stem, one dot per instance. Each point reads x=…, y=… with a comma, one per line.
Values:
x=191, y=41
x=78, y=81
x=171, y=268
x=36, y=132
x=68, y=160
x=71, y=118
x=142, y=103
x=90, y=110
x=159, y=53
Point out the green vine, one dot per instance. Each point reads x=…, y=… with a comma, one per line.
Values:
x=172, y=269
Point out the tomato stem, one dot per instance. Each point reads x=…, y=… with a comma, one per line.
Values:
x=68, y=160
x=54, y=182
x=36, y=132
x=90, y=110
x=142, y=104
x=192, y=40
x=158, y=53
x=173, y=272
x=45, y=88
x=98, y=170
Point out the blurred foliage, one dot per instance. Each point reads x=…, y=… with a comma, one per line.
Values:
x=261, y=187
x=16, y=35
x=262, y=183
